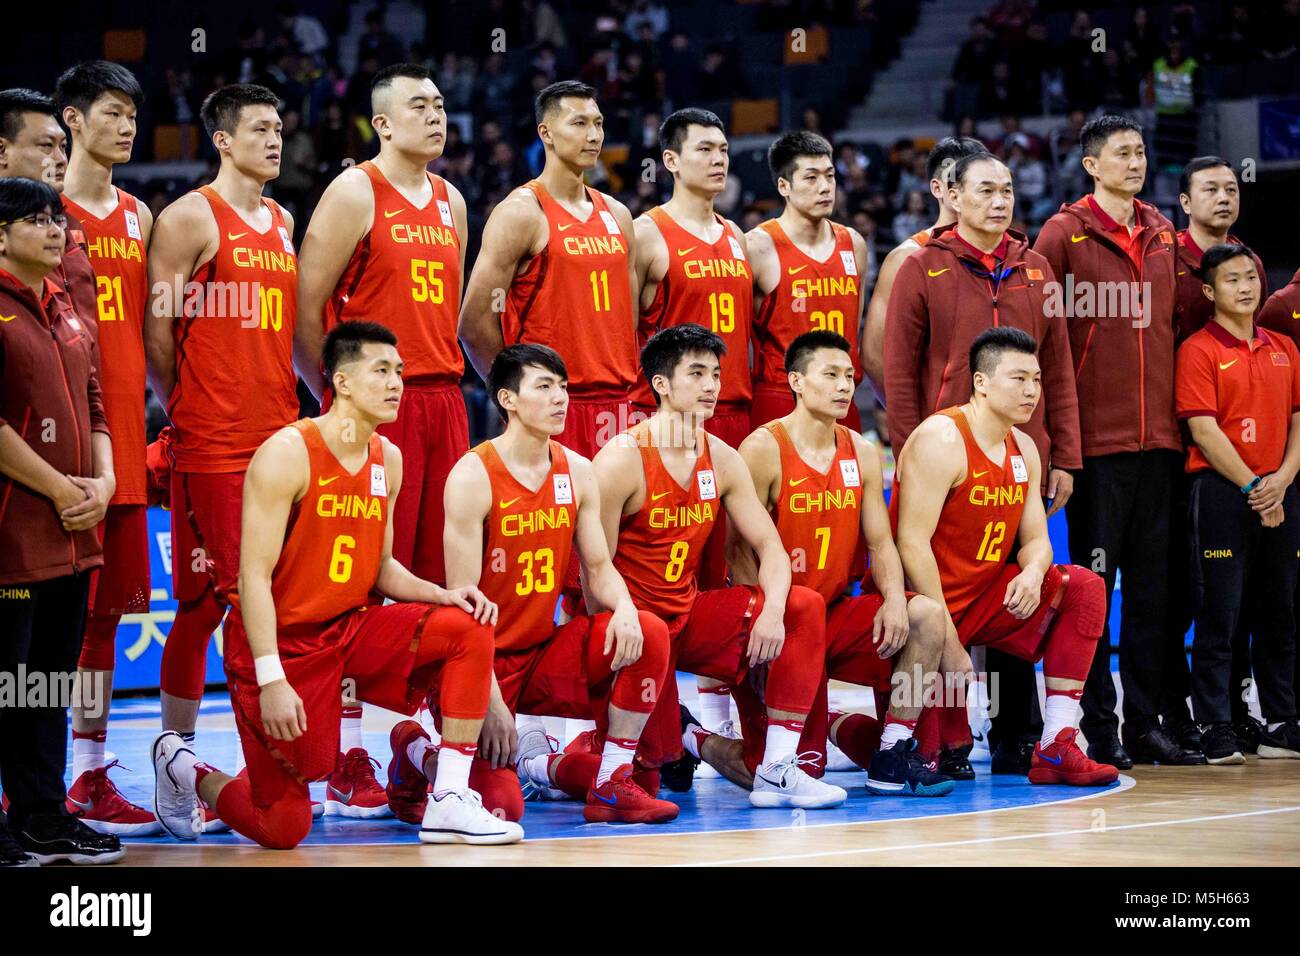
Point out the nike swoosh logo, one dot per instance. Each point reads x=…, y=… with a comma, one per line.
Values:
x=931, y=273
x=86, y=806
x=567, y=225
x=390, y=213
x=1227, y=365
x=980, y=474
x=322, y=482
x=232, y=236
x=796, y=484
x=1056, y=760
x=1074, y=238
x=795, y=271
x=1182, y=273
x=660, y=495
x=682, y=252
x=10, y=318
x=609, y=800
x=342, y=797
x=1294, y=315
x=507, y=504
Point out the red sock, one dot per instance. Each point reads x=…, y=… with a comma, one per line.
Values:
x=575, y=774
x=857, y=735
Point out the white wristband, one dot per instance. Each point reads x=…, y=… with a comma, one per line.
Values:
x=269, y=669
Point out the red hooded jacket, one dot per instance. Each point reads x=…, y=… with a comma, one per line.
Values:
x=1281, y=312
x=1194, y=309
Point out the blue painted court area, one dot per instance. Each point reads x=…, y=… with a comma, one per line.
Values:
x=713, y=805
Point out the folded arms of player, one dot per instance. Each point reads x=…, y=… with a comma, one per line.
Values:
x=892, y=624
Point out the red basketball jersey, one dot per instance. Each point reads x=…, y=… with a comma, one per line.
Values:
x=405, y=274
x=528, y=540
x=819, y=516
x=235, y=383
x=710, y=285
x=979, y=521
x=810, y=295
x=115, y=246
x=334, y=542
x=659, y=547
x=575, y=297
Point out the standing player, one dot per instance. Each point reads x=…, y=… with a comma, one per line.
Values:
x=824, y=486
x=939, y=167
x=387, y=240
x=219, y=336
x=317, y=538
x=662, y=486
x=99, y=101
x=808, y=271
x=522, y=502
x=557, y=266
x=964, y=491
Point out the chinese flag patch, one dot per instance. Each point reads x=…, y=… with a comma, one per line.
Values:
x=1034, y=275
x=1280, y=358
x=1167, y=238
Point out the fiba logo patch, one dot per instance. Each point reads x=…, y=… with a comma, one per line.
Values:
x=1018, y=470
x=284, y=238
x=563, y=490
x=849, y=472
x=133, y=225
x=708, y=488
x=444, y=210
x=378, y=483
x=611, y=224
x=850, y=264
x=736, y=252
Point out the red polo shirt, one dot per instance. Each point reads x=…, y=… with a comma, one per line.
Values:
x=1127, y=241
x=988, y=259
x=1251, y=388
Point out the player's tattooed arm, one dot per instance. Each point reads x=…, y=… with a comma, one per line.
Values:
x=340, y=221
x=764, y=263
x=601, y=582
x=762, y=458
x=651, y=259
x=1035, y=553
x=184, y=238
x=514, y=232
x=620, y=482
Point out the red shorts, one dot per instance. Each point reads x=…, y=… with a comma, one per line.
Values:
x=986, y=622
x=432, y=432
x=593, y=420
x=551, y=678
x=206, y=514
x=373, y=646
x=122, y=585
x=772, y=402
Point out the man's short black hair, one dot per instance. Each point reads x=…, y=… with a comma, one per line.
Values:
x=384, y=78
x=801, y=350
x=17, y=101
x=668, y=347
x=507, y=369
x=789, y=147
x=344, y=343
x=672, y=132
x=21, y=197
x=1197, y=165
x=986, y=351
x=959, y=168
x=221, y=110
x=1216, y=256
x=1097, y=132
x=81, y=85
x=549, y=97
x=948, y=151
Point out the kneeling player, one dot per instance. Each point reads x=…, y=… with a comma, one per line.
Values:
x=662, y=485
x=823, y=484
x=316, y=542
x=516, y=506
x=964, y=491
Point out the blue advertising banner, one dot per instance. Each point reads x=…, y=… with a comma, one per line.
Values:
x=1279, y=129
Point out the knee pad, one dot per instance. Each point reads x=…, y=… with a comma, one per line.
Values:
x=284, y=824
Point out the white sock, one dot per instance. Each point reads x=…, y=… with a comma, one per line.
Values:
x=453, y=769
x=87, y=754
x=419, y=750
x=182, y=769
x=894, y=732
x=1059, y=712
x=538, y=770
x=715, y=707
x=691, y=739
x=350, y=729
x=782, y=741
x=616, y=754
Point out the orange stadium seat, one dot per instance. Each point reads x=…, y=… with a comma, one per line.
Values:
x=754, y=116
x=124, y=46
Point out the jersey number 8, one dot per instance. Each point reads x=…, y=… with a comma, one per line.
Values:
x=676, y=561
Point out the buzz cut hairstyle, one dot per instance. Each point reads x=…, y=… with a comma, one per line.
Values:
x=1216, y=256
x=672, y=131
x=222, y=108
x=507, y=371
x=21, y=197
x=383, y=80
x=957, y=175
x=81, y=85
x=1199, y=164
x=801, y=350
x=548, y=99
x=987, y=349
x=666, y=349
x=17, y=101
x=1097, y=132
x=345, y=343
x=790, y=147
x=947, y=152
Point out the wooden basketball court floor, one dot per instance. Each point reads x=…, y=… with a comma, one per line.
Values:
x=1178, y=816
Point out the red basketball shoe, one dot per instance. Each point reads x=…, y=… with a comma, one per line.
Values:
x=96, y=800
x=408, y=789
x=352, y=790
x=1064, y=762
x=620, y=800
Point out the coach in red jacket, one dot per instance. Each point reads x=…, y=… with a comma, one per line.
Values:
x=1114, y=258
x=1281, y=312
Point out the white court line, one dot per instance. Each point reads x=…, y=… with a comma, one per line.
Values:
x=981, y=840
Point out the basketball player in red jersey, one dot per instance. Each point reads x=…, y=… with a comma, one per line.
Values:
x=964, y=493
x=522, y=501
x=808, y=271
x=824, y=487
x=98, y=101
x=219, y=339
x=387, y=241
x=317, y=542
x=662, y=486
x=939, y=166
x=558, y=267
